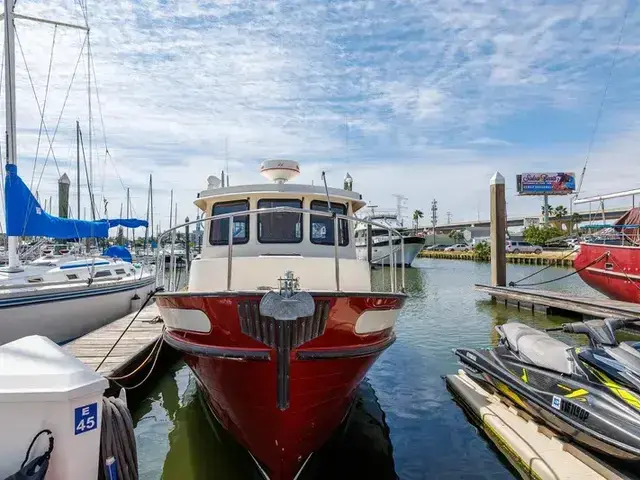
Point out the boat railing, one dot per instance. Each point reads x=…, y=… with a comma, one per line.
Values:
x=396, y=284
x=621, y=235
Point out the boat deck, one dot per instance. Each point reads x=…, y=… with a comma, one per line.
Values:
x=560, y=303
x=131, y=349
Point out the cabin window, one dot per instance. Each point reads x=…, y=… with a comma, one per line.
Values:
x=219, y=233
x=120, y=271
x=322, y=227
x=102, y=273
x=34, y=280
x=72, y=276
x=285, y=227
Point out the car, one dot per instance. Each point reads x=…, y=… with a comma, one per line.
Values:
x=523, y=247
x=460, y=247
x=437, y=248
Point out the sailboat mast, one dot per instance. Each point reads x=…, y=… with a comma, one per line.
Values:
x=78, y=162
x=151, y=195
x=10, y=110
x=146, y=230
x=128, y=207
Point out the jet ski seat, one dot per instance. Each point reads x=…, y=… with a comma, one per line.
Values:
x=537, y=347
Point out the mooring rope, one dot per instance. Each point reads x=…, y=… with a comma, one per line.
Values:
x=149, y=297
x=155, y=354
x=513, y=284
x=117, y=441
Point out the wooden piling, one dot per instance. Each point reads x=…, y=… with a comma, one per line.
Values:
x=498, y=231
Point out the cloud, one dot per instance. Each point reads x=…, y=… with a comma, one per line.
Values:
x=412, y=97
x=490, y=142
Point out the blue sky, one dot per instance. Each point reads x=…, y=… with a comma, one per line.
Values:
x=421, y=97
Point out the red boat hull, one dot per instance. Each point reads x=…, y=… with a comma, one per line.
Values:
x=280, y=416
x=611, y=269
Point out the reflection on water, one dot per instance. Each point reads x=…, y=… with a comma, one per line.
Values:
x=404, y=423
x=178, y=439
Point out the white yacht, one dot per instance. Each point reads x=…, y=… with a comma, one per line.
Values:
x=385, y=251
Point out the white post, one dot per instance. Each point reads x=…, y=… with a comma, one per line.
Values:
x=10, y=111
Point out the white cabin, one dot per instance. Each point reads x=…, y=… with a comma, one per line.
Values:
x=265, y=245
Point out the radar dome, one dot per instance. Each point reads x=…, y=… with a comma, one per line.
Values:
x=280, y=171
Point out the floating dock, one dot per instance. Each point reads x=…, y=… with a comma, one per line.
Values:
x=533, y=450
x=560, y=258
x=134, y=357
x=559, y=303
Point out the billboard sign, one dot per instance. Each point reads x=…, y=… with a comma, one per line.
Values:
x=559, y=183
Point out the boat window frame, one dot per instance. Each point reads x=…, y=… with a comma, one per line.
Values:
x=343, y=224
x=102, y=274
x=300, y=216
x=120, y=271
x=247, y=224
x=72, y=276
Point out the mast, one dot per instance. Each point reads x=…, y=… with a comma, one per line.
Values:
x=78, y=162
x=146, y=230
x=151, y=201
x=10, y=112
x=128, y=208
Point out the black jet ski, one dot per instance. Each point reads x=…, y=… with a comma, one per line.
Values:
x=590, y=395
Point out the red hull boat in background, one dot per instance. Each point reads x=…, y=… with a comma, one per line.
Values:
x=280, y=324
x=611, y=263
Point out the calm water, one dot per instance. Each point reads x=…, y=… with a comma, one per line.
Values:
x=405, y=424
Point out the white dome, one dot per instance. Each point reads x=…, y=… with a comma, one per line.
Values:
x=280, y=171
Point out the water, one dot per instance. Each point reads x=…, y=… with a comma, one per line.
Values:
x=405, y=423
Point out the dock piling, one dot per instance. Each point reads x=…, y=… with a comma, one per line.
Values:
x=498, y=231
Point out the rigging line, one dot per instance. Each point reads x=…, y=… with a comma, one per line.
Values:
x=89, y=187
x=35, y=95
x=104, y=131
x=44, y=106
x=614, y=60
x=64, y=104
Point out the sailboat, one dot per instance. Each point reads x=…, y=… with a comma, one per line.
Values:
x=73, y=296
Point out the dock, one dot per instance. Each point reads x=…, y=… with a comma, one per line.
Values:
x=559, y=303
x=130, y=351
x=559, y=259
x=532, y=449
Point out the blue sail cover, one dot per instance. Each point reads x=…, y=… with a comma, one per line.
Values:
x=25, y=216
x=118, y=252
x=127, y=222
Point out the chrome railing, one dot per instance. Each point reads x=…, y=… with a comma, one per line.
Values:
x=395, y=285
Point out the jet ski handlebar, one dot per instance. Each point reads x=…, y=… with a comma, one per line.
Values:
x=600, y=332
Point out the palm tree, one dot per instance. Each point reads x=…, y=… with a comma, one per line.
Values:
x=560, y=212
x=417, y=215
x=549, y=210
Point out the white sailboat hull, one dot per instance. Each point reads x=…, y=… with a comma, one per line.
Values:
x=65, y=312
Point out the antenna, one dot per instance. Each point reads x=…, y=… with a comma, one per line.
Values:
x=226, y=158
x=400, y=207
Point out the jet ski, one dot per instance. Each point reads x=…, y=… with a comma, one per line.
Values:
x=590, y=395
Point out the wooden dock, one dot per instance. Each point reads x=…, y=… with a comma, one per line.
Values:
x=548, y=302
x=131, y=349
x=560, y=258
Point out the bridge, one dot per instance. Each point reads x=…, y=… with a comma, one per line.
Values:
x=594, y=216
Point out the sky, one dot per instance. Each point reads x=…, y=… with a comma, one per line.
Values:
x=424, y=98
